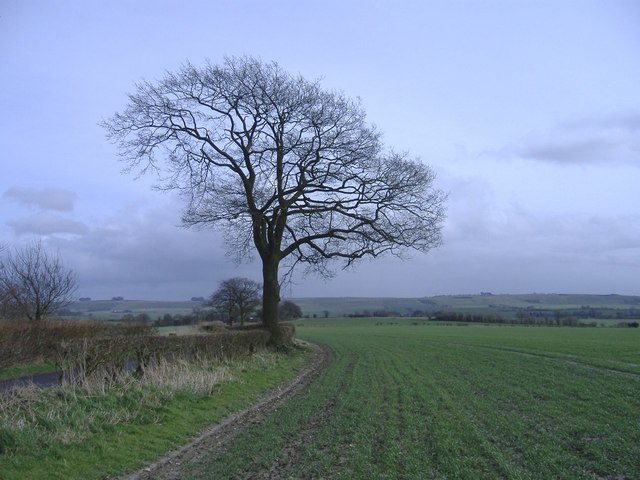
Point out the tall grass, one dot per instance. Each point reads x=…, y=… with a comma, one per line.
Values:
x=34, y=418
x=104, y=428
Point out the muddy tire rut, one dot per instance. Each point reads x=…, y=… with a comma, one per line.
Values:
x=169, y=466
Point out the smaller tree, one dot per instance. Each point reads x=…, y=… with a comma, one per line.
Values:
x=237, y=298
x=288, y=310
x=34, y=283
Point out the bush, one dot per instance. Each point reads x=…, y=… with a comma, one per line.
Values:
x=287, y=331
x=83, y=359
x=26, y=341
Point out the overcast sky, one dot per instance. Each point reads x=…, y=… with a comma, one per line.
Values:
x=529, y=112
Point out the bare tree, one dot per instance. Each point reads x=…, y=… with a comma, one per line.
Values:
x=282, y=166
x=35, y=284
x=288, y=310
x=237, y=297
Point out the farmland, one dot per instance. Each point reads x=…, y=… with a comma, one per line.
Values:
x=401, y=398
x=591, y=306
x=429, y=401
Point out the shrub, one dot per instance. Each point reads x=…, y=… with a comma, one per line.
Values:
x=24, y=341
x=85, y=359
x=287, y=331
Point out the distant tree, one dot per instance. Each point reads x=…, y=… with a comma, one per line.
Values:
x=238, y=298
x=326, y=313
x=288, y=310
x=283, y=167
x=34, y=283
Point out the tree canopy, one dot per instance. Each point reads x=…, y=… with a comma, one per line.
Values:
x=237, y=298
x=281, y=166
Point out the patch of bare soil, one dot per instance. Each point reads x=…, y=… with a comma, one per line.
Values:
x=214, y=437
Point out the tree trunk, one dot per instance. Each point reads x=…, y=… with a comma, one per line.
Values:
x=270, y=296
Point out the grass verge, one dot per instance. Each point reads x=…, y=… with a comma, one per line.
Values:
x=99, y=431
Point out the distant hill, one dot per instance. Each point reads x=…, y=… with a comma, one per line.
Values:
x=482, y=303
x=116, y=308
x=587, y=306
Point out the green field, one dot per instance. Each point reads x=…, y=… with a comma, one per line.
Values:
x=429, y=401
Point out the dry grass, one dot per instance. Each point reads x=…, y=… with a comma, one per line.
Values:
x=68, y=413
x=184, y=376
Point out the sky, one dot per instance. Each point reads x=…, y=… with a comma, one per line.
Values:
x=528, y=112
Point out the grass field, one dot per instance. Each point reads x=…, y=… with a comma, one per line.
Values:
x=425, y=401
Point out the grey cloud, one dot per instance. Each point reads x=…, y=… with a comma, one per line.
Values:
x=47, y=224
x=520, y=234
x=144, y=253
x=47, y=199
x=579, y=150
x=629, y=122
x=608, y=140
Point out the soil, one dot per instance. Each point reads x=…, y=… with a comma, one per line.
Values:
x=169, y=467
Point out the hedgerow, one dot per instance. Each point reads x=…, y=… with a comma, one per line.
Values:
x=82, y=359
x=25, y=341
x=83, y=349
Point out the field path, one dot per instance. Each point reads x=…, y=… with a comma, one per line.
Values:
x=169, y=467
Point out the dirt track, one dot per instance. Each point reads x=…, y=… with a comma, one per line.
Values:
x=169, y=466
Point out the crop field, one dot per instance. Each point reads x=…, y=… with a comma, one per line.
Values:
x=433, y=401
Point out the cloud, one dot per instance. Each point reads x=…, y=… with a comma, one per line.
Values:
x=608, y=140
x=142, y=252
x=47, y=224
x=47, y=199
x=517, y=233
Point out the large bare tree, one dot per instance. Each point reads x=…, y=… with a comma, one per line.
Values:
x=34, y=283
x=282, y=166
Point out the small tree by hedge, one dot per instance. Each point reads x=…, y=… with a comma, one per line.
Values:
x=237, y=298
x=288, y=310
